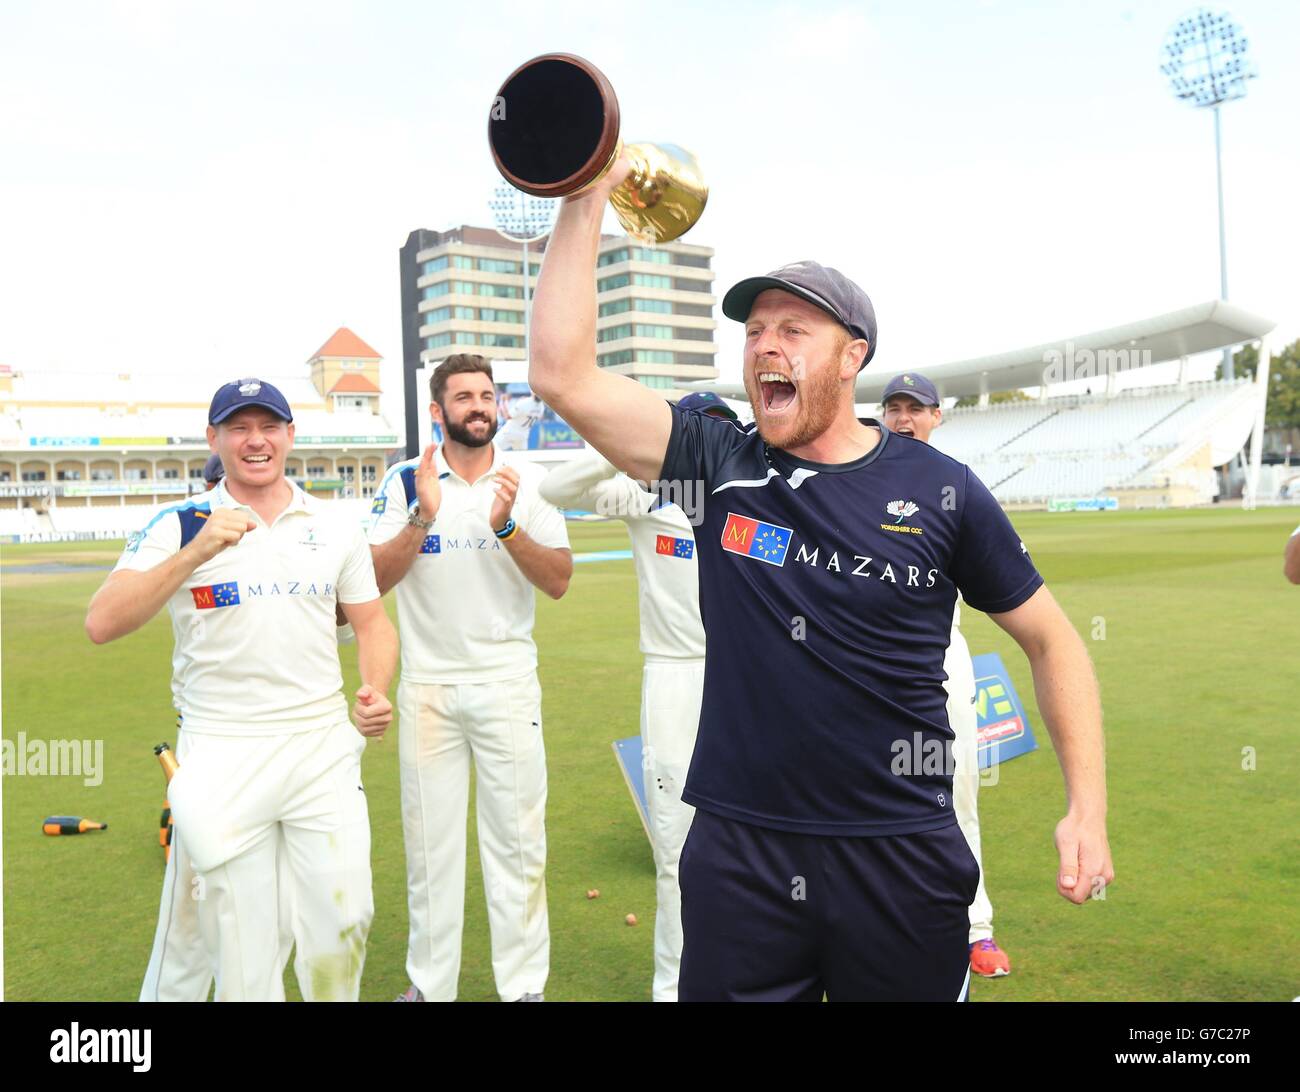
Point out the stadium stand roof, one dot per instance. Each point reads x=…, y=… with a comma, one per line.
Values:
x=1199, y=329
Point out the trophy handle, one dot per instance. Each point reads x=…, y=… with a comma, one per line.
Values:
x=664, y=195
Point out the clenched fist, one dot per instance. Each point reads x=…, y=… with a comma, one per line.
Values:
x=372, y=713
x=221, y=530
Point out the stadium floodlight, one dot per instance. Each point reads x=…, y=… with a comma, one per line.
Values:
x=522, y=218
x=1205, y=60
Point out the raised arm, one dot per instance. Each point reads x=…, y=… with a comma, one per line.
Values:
x=129, y=598
x=1068, y=699
x=591, y=481
x=621, y=418
x=393, y=557
x=573, y=484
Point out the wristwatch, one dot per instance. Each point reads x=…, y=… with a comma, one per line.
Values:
x=413, y=519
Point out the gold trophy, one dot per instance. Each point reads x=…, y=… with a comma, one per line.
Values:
x=554, y=130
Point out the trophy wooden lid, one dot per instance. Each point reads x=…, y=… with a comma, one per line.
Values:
x=554, y=125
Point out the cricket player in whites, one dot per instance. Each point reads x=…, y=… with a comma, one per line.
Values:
x=251, y=572
x=179, y=966
x=911, y=408
x=465, y=538
x=672, y=642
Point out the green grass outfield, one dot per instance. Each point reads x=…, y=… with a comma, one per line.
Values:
x=1198, y=661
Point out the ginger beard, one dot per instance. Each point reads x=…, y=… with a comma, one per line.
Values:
x=815, y=399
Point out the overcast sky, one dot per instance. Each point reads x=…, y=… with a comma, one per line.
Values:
x=214, y=188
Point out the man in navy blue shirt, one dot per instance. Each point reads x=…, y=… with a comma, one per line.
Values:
x=825, y=858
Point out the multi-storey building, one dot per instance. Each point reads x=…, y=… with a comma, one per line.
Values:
x=463, y=291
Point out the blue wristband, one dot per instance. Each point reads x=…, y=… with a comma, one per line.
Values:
x=507, y=531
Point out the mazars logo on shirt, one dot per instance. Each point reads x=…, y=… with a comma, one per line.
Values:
x=288, y=587
x=436, y=544
x=216, y=595
x=771, y=543
x=674, y=547
x=754, y=538
x=879, y=568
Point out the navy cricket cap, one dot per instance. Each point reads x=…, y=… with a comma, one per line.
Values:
x=213, y=471
x=820, y=285
x=914, y=385
x=242, y=393
x=705, y=402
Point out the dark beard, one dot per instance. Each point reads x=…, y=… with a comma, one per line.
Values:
x=461, y=434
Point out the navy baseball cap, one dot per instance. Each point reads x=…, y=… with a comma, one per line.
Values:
x=242, y=393
x=213, y=471
x=704, y=402
x=820, y=285
x=914, y=385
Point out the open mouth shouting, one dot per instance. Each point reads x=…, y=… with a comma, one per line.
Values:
x=779, y=393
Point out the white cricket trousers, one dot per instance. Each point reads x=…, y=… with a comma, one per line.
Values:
x=671, y=692
x=179, y=968
x=966, y=774
x=499, y=726
x=240, y=804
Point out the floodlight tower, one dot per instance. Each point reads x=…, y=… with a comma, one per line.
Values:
x=522, y=218
x=1205, y=60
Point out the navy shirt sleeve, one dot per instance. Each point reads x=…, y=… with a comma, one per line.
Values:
x=990, y=564
x=698, y=446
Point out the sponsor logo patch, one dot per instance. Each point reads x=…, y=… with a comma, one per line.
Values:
x=216, y=595
x=903, y=509
x=754, y=538
x=674, y=547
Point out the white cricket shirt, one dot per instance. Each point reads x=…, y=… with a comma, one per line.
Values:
x=465, y=610
x=957, y=660
x=663, y=551
x=256, y=646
